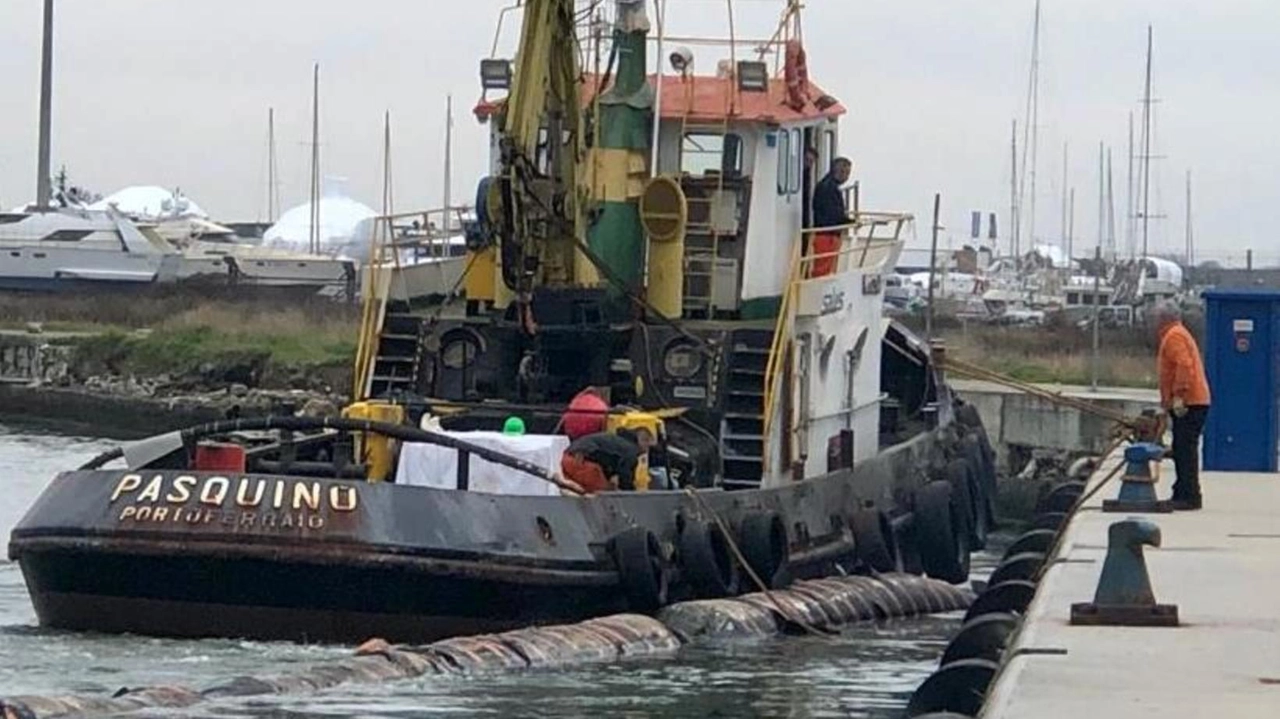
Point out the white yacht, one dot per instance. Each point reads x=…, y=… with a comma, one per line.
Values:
x=61, y=248
x=212, y=252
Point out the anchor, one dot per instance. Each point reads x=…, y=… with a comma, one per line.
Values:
x=1138, y=486
x=1124, y=596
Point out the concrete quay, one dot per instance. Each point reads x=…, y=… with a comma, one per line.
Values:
x=1013, y=418
x=1220, y=566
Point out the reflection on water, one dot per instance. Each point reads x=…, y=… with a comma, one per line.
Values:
x=868, y=671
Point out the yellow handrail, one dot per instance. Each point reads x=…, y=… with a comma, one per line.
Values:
x=371, y=312
x=777, y=352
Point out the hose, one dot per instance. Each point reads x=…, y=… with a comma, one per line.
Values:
x=401, y=432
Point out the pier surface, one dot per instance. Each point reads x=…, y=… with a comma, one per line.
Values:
x=1220, y=566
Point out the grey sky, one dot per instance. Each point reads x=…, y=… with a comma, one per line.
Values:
x=176, y=94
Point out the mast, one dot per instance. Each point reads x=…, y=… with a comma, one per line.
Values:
x=1111, y=213
x=1071, y=226
x=448, y=162
x=1014, y=219
x=1146, y=151
x=1033, y=126
x=1065, y=234
x=1128, y=198
x=1102, y=194
x=314, y=229
x=43, y=189
x=273, y=190
x=1191, y=250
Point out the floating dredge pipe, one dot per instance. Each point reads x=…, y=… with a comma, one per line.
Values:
x=830, y=604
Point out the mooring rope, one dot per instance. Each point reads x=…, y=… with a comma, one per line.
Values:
x=760, y=584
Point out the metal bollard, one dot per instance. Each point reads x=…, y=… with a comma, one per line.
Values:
x=1137, y=486
x=1124, y=596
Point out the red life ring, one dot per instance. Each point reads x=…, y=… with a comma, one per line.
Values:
x=796, y=73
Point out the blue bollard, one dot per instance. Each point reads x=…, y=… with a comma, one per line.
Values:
x=1137, y=486
x=1124, y=596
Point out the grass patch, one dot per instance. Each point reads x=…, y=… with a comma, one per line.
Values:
x=1057, y=355
x=215, y=339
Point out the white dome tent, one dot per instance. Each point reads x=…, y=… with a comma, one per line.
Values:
x=151, y=202
x=345, y=224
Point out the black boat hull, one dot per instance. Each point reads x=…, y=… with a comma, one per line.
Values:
x=168, y=553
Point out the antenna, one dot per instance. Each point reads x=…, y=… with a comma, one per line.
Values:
x=43, y=189
x=314, y=235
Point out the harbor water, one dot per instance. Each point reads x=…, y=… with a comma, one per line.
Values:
x=868, y=671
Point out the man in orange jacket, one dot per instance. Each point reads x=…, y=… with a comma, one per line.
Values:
x=1184, y=393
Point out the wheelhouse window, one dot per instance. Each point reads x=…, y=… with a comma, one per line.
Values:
x=705, y=153
x=784, y=154
x=795, y=162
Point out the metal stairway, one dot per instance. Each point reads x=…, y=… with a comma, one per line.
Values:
x=395, y=366
x=742, y=426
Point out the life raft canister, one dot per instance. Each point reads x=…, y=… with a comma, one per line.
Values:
x=587, y=415
x=796, y=73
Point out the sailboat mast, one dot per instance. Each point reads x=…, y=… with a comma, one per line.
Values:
x=1129, y=198
x=273, y=199
x=1014, y=219
x=1064, y=192
x=1146, y=151
x=44, y=191
x=1102, y=194
x=1034, y=123
x=448, y=162
x=1111, y=213
x=1071, y=226
x=314, y=235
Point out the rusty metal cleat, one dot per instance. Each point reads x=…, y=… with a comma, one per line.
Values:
x=1124, y=596
x=1138, y=486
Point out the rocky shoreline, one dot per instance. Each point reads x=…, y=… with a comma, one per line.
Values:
x=42, y=382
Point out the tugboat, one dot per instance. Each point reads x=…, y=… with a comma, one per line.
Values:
x=798, y=433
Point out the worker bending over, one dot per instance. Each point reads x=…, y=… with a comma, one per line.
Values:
x=1184, y=394
x=602, y=461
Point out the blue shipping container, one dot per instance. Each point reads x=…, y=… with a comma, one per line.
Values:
x=1242, y=352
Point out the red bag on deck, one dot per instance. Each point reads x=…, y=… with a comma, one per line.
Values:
x=587, y=415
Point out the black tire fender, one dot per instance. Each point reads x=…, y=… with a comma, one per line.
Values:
x=638, y=556
x=874, y=541
x=959, y=687
x=705, y=561
x=762, y=537
x=937, y=542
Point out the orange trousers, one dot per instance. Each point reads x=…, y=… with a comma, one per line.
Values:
x=585, y=473
x=828, y=244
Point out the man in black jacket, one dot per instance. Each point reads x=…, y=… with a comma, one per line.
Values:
x=829, y=211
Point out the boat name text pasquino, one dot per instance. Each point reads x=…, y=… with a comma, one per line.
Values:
x=275, y=503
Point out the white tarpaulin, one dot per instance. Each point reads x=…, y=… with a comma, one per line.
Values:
x=430, y=465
